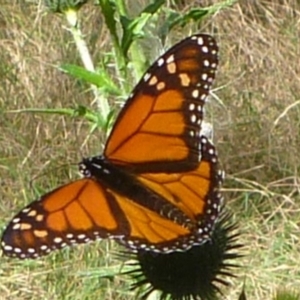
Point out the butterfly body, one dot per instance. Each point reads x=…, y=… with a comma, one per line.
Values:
x=156, y=186
x=120, y=181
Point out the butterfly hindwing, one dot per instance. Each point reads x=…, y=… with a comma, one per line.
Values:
x=196, y=193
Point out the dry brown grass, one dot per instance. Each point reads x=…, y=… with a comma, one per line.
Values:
x=257, y=130
x=256, y=124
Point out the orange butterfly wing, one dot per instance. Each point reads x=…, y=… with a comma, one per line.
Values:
x=74, y=213
x=149, y=190
x=159, y=126
x=79, y=212
x=83, y=210
x=196, y=193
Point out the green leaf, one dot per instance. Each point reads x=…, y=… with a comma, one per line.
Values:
x=175, y=18
x=179, y=19
x=133, y=29
x=79, y=111
x=130, y=33
x=108, y=8
x=101, y=80
x=154, y=7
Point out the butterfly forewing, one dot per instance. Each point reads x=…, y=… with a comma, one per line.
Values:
x=75, y=213
x=160, y=123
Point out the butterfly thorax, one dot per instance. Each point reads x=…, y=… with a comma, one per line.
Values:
x=126, y=184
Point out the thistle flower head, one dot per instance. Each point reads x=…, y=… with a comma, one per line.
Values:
x=197, y=273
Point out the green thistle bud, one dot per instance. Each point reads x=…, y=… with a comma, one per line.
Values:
x=63, y=6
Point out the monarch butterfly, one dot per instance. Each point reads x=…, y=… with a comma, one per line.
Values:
x=156, y=185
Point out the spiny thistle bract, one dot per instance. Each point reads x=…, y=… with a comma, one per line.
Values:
x=195, y=274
